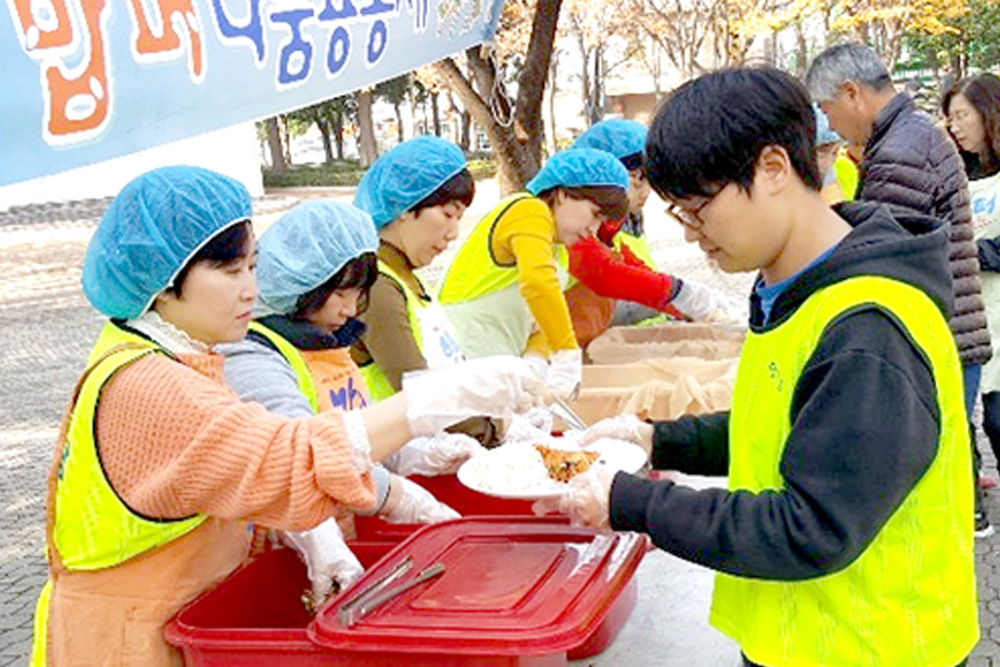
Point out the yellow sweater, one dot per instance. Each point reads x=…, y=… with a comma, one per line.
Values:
x=526, y=236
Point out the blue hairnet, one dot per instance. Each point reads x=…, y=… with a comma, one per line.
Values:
x=406, y=175
x=306, y=247
x=155, y=225
x=578, y=168
x=824, y=133
x=617, y=136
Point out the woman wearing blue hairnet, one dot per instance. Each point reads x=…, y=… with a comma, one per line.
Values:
x=504, y=289
x=315, y=267
x=416, y=194
x=159, y=465
x=619, y=283
x=828, y=155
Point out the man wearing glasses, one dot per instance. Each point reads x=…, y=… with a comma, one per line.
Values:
x=845, y=535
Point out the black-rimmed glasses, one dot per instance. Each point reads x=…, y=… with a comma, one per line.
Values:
x=688, y=216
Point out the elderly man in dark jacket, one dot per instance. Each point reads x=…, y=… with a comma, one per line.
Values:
x=908, y=161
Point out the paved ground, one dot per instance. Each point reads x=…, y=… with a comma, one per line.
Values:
x=46, y=328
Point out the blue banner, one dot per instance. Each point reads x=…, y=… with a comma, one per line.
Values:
x=88, y=80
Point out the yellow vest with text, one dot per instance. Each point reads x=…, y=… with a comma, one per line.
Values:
x=379, y=387
x=93, y=528
x=910, y=597
x=328, y=379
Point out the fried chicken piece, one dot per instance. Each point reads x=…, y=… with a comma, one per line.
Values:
x=562, y=465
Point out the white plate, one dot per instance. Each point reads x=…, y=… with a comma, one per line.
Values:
x=487, y=472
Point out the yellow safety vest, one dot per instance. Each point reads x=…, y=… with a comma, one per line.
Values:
x=379, y=387
x=482, y=296
x=293, y=356
x=637, y=244
x=328, y=379
x=910, y=597
x=93, y=528
x=846, y=172
x=474, y=271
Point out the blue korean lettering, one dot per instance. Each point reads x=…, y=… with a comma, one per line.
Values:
x=348, y=397
x=295, y=61
x=253, y=29
x=378, y=37
x=338, y=50
x=329, y=13
x=378, y=7
x=419, y=9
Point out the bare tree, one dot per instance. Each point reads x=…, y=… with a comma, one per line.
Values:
x=514, y=128
x=275, y=146
x=367, y=148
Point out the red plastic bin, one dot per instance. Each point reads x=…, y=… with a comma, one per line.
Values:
x=255, y=617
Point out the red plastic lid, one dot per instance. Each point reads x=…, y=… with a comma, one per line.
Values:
x=511, y=586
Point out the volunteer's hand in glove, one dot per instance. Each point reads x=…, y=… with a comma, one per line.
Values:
x=585, y=501
x=701, y=303
x=329, y=562
x=620, y=427
x=490, y=386
x=409, y=502
x=434, y=455
x=565, y=373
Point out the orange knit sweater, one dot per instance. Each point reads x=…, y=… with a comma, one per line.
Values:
x=174, y=441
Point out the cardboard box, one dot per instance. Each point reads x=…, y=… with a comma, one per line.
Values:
x=662, y=388
x=625, y=345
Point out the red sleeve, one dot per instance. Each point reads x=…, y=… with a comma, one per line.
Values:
x=605, y=272
x=630, y=257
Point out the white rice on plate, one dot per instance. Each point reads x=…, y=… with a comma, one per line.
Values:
x=513, y=468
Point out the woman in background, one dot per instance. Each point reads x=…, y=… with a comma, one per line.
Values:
x=972, y=107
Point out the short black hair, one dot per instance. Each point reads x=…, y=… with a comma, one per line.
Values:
x=230, y=245
x=611, y=201
x=710, y=131
x=362, y=271
x=460, y=187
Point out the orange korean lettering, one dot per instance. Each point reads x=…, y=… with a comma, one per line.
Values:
x=172, y=14
x=80, y=103
x=45, y=27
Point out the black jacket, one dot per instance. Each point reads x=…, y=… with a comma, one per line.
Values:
x=865, y=377
x=910, y=162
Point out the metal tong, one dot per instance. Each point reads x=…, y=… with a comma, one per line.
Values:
x=561, y=409
x=378, y=592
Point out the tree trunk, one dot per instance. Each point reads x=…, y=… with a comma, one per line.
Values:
x=465, y=136
x=596, y=107
x=553, y=89
x=801, y=51
x=399, y=121
x=274, y=146
x=286, y=139
x=324, y=131
x=435, y=114
x=517, y=147
x=366, y=131
x=338, y=134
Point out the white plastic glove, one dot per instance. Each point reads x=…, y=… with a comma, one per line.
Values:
x=704, y=304
x=328, y=559
x=538, y=363
x=565, y=373
x=585, y=501
x=619, y=427
x=532, y=426
x=434, y=455
x=413, y=503
x=491, y=386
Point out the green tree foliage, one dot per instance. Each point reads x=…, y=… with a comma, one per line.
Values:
x=972, y=43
